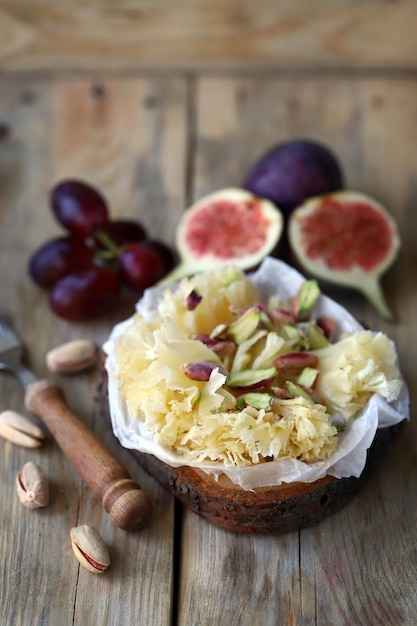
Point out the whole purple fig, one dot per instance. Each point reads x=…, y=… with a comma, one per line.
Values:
x=294, y=171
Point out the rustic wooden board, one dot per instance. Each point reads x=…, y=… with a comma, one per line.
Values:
x=129, y=140
x=122, y=36
x=348, y=569
x=153, y=144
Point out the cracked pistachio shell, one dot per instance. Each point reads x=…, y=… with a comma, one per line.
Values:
x=90, y=549
x=20, y=430
x=32, y=486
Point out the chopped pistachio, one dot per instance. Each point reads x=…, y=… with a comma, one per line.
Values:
x=244, y=327
x=306, y=299
x=315, y=337
x=206, y=339
x=256, y=400
x=196, y=399
x=308, y=377
x=193, y=300
x=280, y=393
x=230, y=276
x=201, y=370
x=219, y=346
x=265, y=318
x=248, y=321
x=223, y=347
x=296, y=336
x=251, y=378
x=327, y=325
x=219, y=331
x=284, y=316
x=296, y=390
x=293, y=363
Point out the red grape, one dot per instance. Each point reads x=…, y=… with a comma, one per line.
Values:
x=57, y=258
x=163, y=251
x=84, y=270
x=79, y=207
x=119, y=232
x=141, y=266
x=85, y=294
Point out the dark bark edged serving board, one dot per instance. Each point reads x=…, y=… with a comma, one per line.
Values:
x=277, y=510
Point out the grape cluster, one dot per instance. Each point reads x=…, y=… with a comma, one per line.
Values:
x=86, y=269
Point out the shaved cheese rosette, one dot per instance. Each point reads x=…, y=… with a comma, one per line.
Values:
x=238, y=374
x=355, y=368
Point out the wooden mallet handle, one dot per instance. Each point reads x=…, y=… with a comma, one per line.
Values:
x=128, y=505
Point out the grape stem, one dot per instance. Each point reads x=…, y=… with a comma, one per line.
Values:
x=112, y=251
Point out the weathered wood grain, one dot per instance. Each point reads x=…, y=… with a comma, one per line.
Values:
x=352, y=568
x=153, y=144
x=129, y=138
x=244, y=579
x=122, y=36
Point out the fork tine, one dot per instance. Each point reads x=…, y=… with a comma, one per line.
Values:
x=11, y=352
x=8, y=338
x=4, y=326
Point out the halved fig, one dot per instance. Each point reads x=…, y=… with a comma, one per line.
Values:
x=228, y=227
x=346, y=238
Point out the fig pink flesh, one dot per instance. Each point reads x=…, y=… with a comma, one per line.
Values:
x=208, y=230
x=345, y=234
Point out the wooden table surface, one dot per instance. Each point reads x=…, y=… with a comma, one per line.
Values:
x=90, y=93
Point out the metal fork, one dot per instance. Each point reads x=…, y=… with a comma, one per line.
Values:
x=128, y=505
x=11, y=354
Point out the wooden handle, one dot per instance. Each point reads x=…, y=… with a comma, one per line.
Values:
x=128, y=505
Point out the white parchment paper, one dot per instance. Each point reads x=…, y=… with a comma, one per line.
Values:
x=349, y=459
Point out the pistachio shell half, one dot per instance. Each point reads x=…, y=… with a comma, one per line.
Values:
x=72, y=356
x=20, y=430
x=90, y=549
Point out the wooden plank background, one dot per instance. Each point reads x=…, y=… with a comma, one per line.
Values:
x=106, y=147
x=227, y=34
x=356, y=117
x=138, y=141
x=157, y=104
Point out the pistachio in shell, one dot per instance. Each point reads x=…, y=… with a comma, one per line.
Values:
x=32, y=486
x=89, y=548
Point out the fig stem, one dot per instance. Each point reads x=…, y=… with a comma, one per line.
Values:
x=373, y=291
x=182, y=270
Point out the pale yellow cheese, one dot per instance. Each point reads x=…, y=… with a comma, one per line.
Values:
x=356, y=367
x=201, y=419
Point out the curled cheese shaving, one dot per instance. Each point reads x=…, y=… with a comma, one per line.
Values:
x=201, y=419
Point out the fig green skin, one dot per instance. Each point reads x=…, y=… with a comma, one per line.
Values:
x=291, y=172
